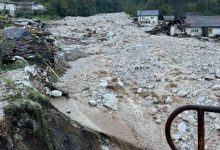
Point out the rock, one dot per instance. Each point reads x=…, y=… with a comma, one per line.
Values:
x=217, y=126
x=216, y=87
x=163, y=80
x=56, y=93
x=74, y=54
x=31, y=69
x=174, y=90
x=110, y=34
x=119, y=84
x=158, y=121
x=176, y=136
x=139, y=91
x=99, y=100
x=110, y=100
x=150, y=86
x=148, y=102
x=217, y=93
x=24, y=83
x=103, y=83
x=168, y=100
x=201, y=99
x=96, y=95
x=182, y=93
x=209, y=77
x=104, y=147
x=217, y=73
x=182, y=127
x=153, y=111
x=213, y=115
x=68, y=111
x=93, y=102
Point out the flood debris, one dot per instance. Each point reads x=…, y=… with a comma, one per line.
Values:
x=28, y=23
x=165, y=26
x=15, y=33
x=28, y=41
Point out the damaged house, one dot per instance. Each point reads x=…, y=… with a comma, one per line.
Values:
x=196, y=25
x=148, y=17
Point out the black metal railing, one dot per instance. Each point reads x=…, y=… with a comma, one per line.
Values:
x=201, y=124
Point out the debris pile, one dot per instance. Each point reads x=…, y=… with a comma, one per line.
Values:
x=30, y=44
x=165, y=27
x=22, y=42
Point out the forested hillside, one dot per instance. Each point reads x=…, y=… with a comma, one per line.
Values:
x=90, y=7
x=178, y=7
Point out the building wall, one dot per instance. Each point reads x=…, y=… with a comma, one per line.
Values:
x=193, y=31
x=174, y=30
x=24, y=7
x=213, y=32
x=1, y=6
x=148, y=20
x=8, y=7
x=37, y=7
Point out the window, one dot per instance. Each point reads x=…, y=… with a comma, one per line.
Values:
x=210, y=30
x=153, y=22
x=195, y=30
x=152, y=17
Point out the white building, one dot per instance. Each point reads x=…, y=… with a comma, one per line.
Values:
x=11, y=7
x=148, y=17
x=208, y=26
x=8, y=7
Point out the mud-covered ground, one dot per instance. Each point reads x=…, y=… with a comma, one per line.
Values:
x=125, y=83
x=27, y=118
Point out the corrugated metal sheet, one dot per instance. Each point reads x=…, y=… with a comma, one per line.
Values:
x=202, y=21
x=148, y=13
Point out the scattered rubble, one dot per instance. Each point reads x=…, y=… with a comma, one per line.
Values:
x=182, y=93
x=182, y=127
x=157, y=74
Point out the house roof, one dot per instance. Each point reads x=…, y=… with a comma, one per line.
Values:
x=167, y=18
x=148, y=13
x=202, y=21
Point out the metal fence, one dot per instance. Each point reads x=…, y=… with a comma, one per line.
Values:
x=201, y=124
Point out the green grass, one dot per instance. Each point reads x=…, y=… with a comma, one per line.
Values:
x=18, y=64
x=42, y=17
x=36, y=96
x=35, y=111
x=6, y=81
x=25, y=93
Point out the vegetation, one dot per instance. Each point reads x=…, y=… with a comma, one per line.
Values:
x=26, y=102
x=173, y=7
x=89, y=7
x=19, y=64
x=24, y=108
